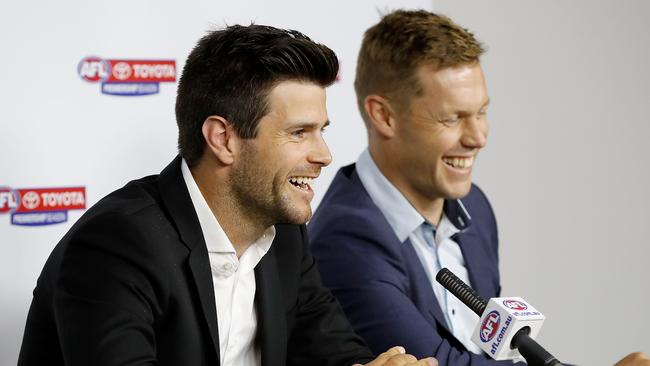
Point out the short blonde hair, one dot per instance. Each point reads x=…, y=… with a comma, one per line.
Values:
x=403, y=40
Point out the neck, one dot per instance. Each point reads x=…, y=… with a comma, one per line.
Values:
x=241, y=228
x=429, y=208
x=431, y=212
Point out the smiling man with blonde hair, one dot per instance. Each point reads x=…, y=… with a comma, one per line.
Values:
x=408, y=207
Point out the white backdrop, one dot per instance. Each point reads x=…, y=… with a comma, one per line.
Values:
x=58, y=130
x=564, y=168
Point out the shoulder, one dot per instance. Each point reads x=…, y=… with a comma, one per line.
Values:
x=351, y=224
x=345, y=208
x=138, y=203
x=129, y=222
x=349, y=234
x=123, y=239
x=131, y=200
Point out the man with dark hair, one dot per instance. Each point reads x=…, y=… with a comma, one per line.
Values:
x=408, y=207
x=208, y=262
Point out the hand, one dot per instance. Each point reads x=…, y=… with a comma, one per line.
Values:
x=397, y=356
x=634, y=359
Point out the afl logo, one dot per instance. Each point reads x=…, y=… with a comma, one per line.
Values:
x=8, y=200
x=515, y=305
x=93, y=69
x=490, y=326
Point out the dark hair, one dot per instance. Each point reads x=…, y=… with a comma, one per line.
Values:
x=403, y=40
x=230, y=73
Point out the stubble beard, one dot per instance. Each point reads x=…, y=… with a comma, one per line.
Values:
x=262, y=196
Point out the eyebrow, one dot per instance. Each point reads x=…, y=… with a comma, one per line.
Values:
x=446, y=114
x=308, y=125
x=487, y=103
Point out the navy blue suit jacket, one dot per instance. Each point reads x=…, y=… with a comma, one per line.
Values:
x=380, y=281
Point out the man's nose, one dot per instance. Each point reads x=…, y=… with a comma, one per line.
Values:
x=320, y=154
x=475, y=132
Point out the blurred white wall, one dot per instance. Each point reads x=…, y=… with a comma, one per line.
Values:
x=566, y=166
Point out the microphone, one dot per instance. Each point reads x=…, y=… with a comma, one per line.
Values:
x=507, y=325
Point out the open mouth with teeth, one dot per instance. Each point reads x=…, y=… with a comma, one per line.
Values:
x=303, y=183
x=459, y=162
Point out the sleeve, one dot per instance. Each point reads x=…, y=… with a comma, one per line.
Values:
x=104, y=301
x=369, y=278
x=321, y=334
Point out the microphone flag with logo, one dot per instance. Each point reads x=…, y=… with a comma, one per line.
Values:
x=502, y=319
x=507, y=325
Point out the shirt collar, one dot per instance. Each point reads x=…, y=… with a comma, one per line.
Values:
x=445, y=229
x=216, y=239
x=400, y=214
x=457, y=213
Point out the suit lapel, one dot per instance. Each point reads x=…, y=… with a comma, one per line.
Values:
x=473, y=260
x=200, y=267
x=271, y=318
x=177, y=200
x=427, y=299
x=424, y=297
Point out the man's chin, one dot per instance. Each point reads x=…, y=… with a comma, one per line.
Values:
x=296, y=216
x=459, y=191
x=303, y=218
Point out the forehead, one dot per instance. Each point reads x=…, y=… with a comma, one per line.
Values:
x=455, y=87
x=297, y=99
x=293, y=105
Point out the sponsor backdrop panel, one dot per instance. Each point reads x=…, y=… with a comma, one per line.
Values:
x=564, y=167
x=88, y=104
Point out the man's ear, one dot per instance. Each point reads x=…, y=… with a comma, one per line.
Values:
x=220, y=138
x=380, y=114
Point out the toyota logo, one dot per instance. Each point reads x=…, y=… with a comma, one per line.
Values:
x=31, y=200
x=122, y=71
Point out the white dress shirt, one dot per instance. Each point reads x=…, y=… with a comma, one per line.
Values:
x=234, y=282
x=434, y=255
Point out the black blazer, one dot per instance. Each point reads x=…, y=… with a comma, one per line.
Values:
x=130, y=284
